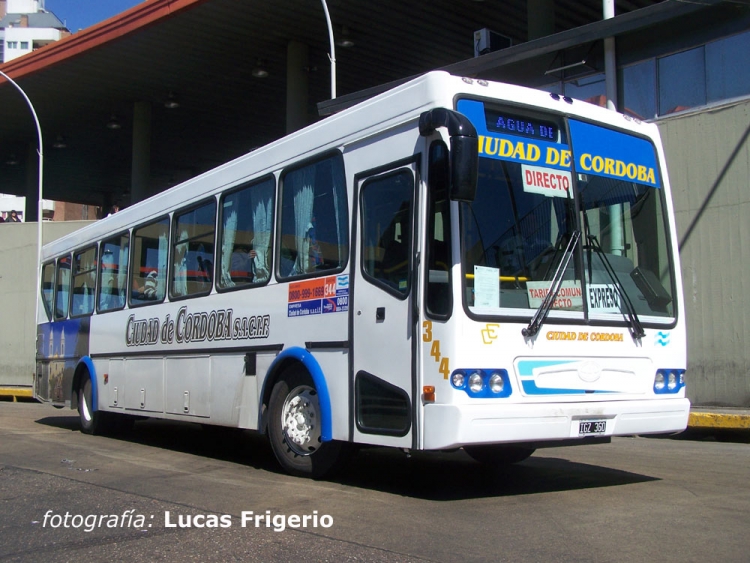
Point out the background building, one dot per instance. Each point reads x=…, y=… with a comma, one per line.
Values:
x=172, y=88
x=26, y=26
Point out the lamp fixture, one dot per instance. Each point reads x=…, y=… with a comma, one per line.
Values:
x=171, y=101
x=114, y=123
x=566, y=67
x=259, y=71
x=345, y=39
x=59, y=143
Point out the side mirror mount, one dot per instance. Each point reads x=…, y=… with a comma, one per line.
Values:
x=464, y=157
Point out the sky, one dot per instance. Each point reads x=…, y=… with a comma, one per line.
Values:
x=80, y=14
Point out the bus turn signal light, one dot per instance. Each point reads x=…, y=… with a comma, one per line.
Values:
x=428, y=392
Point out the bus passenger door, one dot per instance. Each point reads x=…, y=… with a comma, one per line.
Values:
x=382, y=310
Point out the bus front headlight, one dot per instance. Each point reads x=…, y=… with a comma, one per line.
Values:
x=659, y=381
x=458, y=380
x=475, y=382
x=497, y=383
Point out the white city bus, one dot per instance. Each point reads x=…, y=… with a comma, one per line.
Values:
x=453, y=263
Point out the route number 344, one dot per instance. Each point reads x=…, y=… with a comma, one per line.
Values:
x=442, y=361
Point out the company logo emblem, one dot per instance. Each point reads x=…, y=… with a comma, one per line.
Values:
x=489, y=333
x=589, y=371
x=661, y=338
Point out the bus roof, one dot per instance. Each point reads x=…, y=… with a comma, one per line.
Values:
x=389, y=109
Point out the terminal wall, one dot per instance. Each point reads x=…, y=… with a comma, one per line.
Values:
x=18, y=259
x=708, y=155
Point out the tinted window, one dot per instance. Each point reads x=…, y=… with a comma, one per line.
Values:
x=682, y=81
x=84, y=282
x=62, y=287
x=48, y=287
x=314, y=219
x=727, y=68
x=247, y=224
x=114, y=273
x=193, y=252
x=148, y=276
x=637, y=94
x=386, y=229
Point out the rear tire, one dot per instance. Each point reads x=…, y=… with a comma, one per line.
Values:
x=294, y=429
x=499, y=455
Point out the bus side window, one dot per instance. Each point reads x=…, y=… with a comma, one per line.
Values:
x=246, y=227
x=48, y=287
x=193, y=251
x=314, y=219
x=148, y=275
x=113, y=273
x=84, y=282
x=62, y=288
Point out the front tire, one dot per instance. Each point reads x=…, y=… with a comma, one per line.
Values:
x=499, y=455
x=294, y=429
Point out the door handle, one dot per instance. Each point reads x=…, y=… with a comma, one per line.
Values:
x=380, y=314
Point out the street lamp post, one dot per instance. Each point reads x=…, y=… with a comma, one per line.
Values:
x=332, y=55
x=40, y=151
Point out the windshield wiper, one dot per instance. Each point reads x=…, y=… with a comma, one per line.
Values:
x=634, y=323
x=554, y=287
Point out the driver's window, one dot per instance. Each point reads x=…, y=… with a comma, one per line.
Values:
x=387, y=230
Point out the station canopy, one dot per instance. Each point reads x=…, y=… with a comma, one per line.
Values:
x=203, y=58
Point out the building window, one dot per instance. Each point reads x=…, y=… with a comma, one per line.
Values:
x=24, y=45
x=637, y=90
x=591, y=89
x=682, y=81
x=727, y=71
x=12, y=44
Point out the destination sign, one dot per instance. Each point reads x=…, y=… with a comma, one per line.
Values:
x=510, y=124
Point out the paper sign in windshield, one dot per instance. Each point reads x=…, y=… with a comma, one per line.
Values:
x=568, y=298
x=603, y=298
x=486, y=287
x=546, y=181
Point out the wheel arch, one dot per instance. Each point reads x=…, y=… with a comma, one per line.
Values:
x=85, y=368
x=290, y=359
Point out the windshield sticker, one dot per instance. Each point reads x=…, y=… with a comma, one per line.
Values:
x=599, y=151
x=603, y=298
x=569, y=297
x=318, y=296
x=546, y=181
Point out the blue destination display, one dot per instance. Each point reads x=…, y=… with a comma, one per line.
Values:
x=604, y=152
x=597, y=151
x=503, y=122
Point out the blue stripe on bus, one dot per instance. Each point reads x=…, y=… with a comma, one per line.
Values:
x=324, y=399
x=526, y=374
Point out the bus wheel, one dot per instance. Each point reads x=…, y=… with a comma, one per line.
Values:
x=294, y=429
x=91, y=422
x=499, y=455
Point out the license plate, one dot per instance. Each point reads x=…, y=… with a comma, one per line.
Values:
x=592, y=427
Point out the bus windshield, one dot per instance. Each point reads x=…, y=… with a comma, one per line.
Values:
x=543, y=178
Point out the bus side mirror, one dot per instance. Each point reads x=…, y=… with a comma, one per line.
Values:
x=464, y=166
x=464, y=158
